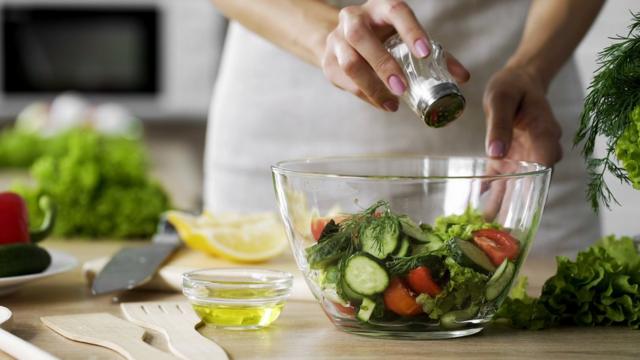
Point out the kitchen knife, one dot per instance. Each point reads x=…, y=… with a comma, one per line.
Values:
x=132, y=267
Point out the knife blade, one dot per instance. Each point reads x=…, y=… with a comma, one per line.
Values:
x=132, y=267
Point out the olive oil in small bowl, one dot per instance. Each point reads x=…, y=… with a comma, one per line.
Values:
x=237, y=299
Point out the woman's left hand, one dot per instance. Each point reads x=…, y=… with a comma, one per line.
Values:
x=520, y=123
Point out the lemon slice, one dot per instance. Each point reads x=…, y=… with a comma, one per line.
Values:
x=243, y=238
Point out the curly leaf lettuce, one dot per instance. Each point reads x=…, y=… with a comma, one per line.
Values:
x=464, y=289
x=460, y=226
x=628, y=148
x=100, y=186
x=601, y=287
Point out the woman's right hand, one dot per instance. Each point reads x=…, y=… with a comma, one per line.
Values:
x=356, y=60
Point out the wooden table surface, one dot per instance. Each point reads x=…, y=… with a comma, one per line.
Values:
x=303, y=331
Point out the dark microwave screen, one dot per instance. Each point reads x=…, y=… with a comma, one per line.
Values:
x=110, y=50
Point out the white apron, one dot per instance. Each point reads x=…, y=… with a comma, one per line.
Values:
x=270, y=106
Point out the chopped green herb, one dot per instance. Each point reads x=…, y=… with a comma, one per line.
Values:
x=613, y=95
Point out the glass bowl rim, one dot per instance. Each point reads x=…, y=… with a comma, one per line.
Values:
x=280, y=167
x=279, y=279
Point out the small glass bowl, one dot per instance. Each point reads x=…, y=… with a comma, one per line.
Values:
x=237, y=299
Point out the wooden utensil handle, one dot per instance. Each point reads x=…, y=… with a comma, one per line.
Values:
x=136, y=349
x=187, y=343
x=21, y=349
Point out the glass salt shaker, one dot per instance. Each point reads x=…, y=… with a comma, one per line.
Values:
x=432, y=93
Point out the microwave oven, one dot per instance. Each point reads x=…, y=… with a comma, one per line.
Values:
x=156, y=57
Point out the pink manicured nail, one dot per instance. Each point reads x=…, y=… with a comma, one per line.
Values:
x=422, y=48
x=396, y=85
x=496, y=148
x=391, y=105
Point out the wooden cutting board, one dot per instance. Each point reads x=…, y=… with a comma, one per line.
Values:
x=169, y=277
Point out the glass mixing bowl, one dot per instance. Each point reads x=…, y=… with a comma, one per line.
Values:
x=468, y=221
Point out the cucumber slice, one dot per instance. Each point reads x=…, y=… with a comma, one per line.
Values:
x=412, y=230
x=364, y=275
x=452, y=319
x=366, y=309
x=467, y=254
x=380, y=237
x=431, y=237
x=500, y=280
x=403, y=248
x=348, y=293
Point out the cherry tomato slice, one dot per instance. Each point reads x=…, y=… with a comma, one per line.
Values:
x=497, y=244
x=317, y=225
x=345, y=310
x=421, y=281
x=399, y=299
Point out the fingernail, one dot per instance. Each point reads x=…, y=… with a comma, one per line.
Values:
x=391, y=105
x=396, y=85
x=496, y=148
x=422, y=48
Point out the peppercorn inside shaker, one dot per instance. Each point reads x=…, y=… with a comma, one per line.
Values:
x=432, y=93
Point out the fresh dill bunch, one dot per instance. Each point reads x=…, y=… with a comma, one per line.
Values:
x=612, y=95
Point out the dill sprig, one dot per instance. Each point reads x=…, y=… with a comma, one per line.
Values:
x=612, y=95
x=433, y=260
x=341, y=240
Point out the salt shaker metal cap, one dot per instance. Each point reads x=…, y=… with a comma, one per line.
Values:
x=432, y=93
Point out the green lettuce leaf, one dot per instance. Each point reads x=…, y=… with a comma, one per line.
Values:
x=464, y=289
x=460, y=226
x=100, y=185
x=601, y=287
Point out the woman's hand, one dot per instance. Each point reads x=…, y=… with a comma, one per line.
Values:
x=520, y=123
x=355, y=59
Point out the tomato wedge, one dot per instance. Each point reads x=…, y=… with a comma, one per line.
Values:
x=345, y=310
x=317, y=225
x=420, y=281
x=399, y=299
x=497, y=244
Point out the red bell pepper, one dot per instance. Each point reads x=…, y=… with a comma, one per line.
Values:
x=14, y=219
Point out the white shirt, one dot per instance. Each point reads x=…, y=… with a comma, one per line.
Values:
x=269, y=106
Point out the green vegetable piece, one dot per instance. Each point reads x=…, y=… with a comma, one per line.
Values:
x=366, y=309
x=465, y=288
x=330, y=276
x=467, y=254
x=500, y=280
x=461, y=226
x=333, y=248
x=99, y=184
x=611, y=111
x=403, y=248
x=46, y=227
x=23, y=259
x=601, y=287
x=380, y=236
x=364, y=275
x=455, y=319
x=412, y=230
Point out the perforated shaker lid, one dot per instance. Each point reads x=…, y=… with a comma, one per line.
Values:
x=442, y=105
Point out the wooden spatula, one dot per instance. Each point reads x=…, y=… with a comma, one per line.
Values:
x=178, y=322
x=108, y=331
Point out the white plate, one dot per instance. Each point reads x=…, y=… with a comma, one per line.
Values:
x=60, y=262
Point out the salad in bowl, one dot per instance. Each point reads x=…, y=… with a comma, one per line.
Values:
x=410, y=246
